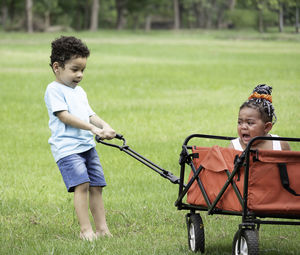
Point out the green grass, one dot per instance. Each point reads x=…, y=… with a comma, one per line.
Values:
x=156, y=89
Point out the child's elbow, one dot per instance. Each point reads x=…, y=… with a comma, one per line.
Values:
x=61, y=115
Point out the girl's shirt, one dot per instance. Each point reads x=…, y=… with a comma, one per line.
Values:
x=237, y=145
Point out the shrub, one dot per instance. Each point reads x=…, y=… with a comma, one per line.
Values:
x=239, y=18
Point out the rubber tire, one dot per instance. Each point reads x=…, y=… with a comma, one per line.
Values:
x=249, y=242
x=196, y=238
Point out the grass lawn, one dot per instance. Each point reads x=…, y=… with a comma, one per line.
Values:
x=155, y=89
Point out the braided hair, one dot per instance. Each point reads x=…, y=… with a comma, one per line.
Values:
x=261, y=100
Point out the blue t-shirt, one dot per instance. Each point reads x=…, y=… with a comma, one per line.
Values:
x=65, y=139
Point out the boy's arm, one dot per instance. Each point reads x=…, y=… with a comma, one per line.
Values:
x=109, y=133
x=69, y=119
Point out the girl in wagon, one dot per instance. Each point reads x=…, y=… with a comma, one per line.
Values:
x=256, y=118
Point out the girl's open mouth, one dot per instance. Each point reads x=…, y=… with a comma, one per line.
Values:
x=246, y=137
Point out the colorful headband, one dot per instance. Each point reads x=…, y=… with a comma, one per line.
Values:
x=263, y=96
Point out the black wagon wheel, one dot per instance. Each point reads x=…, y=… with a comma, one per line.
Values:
x=196, y=237
x=248, y=243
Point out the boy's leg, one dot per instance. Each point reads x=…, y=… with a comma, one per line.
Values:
x=98, y=211
x=82, y=211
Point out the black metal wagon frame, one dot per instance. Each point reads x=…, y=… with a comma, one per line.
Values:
x=246, y=239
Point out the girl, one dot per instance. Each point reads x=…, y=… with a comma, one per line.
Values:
x=256, y=118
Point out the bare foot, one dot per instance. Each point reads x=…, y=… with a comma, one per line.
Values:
x=88, y=236
x=104, y=232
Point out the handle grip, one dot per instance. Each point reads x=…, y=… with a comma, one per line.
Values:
x=99, y=139
x=119, y=136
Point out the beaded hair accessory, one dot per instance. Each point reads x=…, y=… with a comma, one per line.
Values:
x=263, y=96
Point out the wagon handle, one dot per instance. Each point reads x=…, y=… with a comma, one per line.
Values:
x=118, y=136
x=125, y=148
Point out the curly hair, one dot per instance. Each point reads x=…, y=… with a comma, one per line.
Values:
x=261, y=100
x=67, y=47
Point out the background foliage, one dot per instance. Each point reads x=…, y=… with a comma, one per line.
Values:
x=45, y=15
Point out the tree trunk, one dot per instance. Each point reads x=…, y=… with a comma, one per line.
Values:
x=11, y=10
x=148, y=22
x=176, y=14
x=231, y=4
x=280, y=18
x=190, y=25
x=29, y=16
x=197, y=15
x=260, y=21
x=208, y=18
x=86, y=17
x=220, y=19
x=47, y=19
x=297, y=20
x=94, y=16
x=135, y=24
x=121, y=20
x=4, y=15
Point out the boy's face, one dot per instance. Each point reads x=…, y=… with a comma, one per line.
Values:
x=72, y=73
x=250, y=125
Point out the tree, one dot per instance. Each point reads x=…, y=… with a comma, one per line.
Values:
x=281, y=6
x=197, y=11
x=138, y=8
x=40, y=15
x=150, y=13
x=260, y=5
x=94, y=16
x=29, y=16
x=45, y=9
x=277, y=5
x=4, y=14
x=297, y=18
x=221, y=6
x=77, y=17
x=176, y=14
x=207, y=13
x=295, y=5
x=231, y=4
x=198, y=7
x=121, y=13
x=280, y=16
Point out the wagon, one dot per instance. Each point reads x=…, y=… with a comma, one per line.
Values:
x=260, y=186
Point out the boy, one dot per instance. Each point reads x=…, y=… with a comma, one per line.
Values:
x=73, y=124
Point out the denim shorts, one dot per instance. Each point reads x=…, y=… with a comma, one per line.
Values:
x=80, y=168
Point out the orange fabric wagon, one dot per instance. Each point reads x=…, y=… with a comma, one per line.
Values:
x=266, y=193
x=253, y=184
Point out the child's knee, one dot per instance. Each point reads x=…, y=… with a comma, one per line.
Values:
x=95, y=190
x=84, y=187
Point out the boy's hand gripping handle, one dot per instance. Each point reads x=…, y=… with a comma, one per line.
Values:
x=99, y=139
x=118, y=136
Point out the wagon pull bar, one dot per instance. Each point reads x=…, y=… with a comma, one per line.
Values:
x=124, y=147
